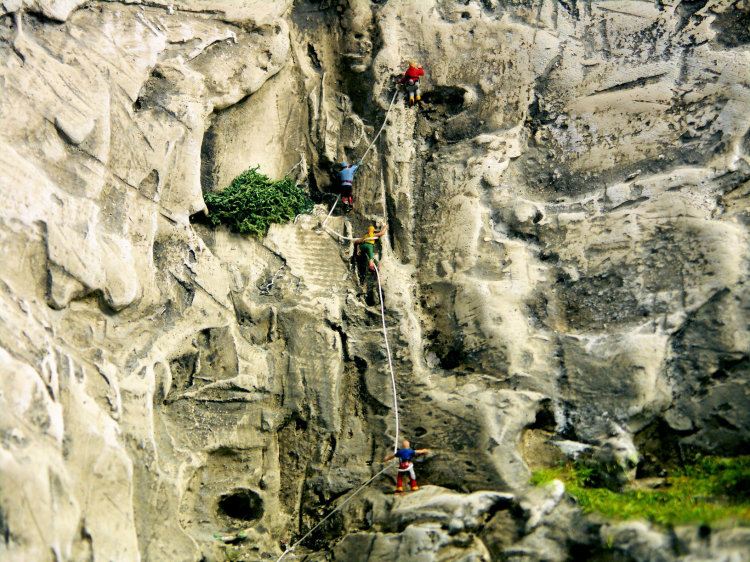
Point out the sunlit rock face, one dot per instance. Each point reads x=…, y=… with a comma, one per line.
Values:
x=565, y=269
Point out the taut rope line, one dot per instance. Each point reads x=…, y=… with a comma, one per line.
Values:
x=395, y=411
x=382, y=126
x=330, y=231
x=387, y=349
x=338, y=508
x=385, y=120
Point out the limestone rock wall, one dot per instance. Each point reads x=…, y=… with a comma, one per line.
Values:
x=566, y=261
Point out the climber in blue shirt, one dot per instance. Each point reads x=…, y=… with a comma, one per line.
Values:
x=405, y=455
x=346, y=177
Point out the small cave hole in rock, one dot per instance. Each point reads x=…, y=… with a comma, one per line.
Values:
x=545, y=417
x=452, y=357
x=241, y=504
x=451, y=97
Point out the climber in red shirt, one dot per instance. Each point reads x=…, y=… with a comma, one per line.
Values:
x=411, y=81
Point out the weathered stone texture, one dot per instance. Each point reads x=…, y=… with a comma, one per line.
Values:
x=566, y=270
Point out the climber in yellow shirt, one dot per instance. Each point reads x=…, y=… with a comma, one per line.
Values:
x=367, y=244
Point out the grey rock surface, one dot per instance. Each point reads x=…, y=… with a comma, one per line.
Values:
x=567, y=254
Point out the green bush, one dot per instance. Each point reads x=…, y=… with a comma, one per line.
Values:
x=253, y=201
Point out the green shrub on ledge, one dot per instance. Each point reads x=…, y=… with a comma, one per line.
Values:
x=709, y=490
x=253, y=201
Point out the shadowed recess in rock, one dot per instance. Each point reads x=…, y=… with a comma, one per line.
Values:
x=241, y=504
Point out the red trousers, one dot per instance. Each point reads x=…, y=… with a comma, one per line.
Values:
x=406, y=467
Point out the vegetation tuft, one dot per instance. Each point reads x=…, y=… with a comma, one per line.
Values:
x=710, y=490
x=253, y=201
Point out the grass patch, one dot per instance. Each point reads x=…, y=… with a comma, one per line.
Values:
x=253, y=201
x=710, y=490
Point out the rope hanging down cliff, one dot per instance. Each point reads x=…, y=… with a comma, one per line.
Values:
x=385, y=120
x=388, y=354
x=338, y=197
x=395, y=442
x=390, y=361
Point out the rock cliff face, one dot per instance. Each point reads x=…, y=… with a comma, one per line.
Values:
x=566, y=267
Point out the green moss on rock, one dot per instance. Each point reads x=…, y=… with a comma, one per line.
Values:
x=710, y=490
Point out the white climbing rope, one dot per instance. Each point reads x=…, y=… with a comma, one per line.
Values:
x=382, y=126
x=387, y=349
x=385, y=120
x=395, y=411
x=331, y=231
x=331, y=211
x=337, y=508
x=390, y=361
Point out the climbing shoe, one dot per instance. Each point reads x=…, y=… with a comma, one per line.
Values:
x=419, y=97
x=411, y=101
x=399, y=489
x=371, y=267
x=414, y=488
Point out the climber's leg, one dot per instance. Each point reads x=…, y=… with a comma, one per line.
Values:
x=412, y=89
x=399, y=482
x=369, y=251
x=413, y=478
x=419, y=92
x=346, y=194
